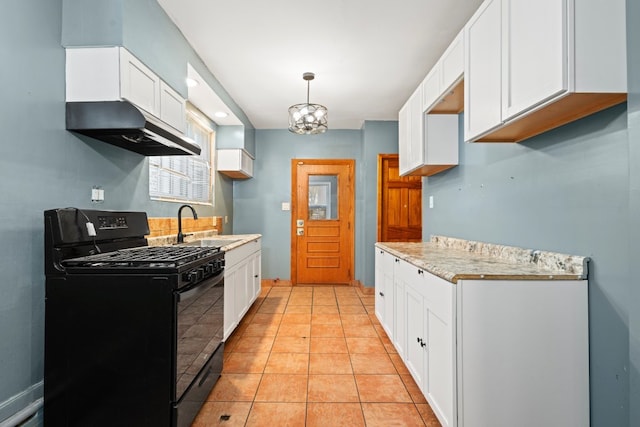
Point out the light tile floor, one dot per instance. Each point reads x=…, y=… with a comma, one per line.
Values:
x=313, y=356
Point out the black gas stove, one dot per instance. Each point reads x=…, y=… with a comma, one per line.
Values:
x=133, y=334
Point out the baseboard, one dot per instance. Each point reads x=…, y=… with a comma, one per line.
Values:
x=275, y=282
x=30, y=398
x=280, y=282
x=365, y=290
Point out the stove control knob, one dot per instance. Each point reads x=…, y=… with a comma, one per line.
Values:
x=190, y=277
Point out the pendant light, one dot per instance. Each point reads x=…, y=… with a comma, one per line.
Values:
x=306, y=118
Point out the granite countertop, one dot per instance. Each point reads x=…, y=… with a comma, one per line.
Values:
x=202, y=237
x=454, y=259
x=235, y=240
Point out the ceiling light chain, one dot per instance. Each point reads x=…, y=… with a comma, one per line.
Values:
x=305, y=119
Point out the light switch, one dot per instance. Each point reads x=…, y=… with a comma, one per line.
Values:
x=430, y=202
x=286, y=206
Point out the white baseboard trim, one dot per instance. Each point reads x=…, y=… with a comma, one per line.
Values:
x=21, y=406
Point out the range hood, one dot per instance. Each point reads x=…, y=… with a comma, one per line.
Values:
x=123, y=124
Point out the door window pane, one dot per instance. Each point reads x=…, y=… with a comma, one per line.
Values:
x=323, y=197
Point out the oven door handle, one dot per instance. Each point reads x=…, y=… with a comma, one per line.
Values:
x=200, y=287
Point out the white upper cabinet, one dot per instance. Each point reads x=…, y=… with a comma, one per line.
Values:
x=534, y=66
x=441, y=91
x=428, y=122
x=113, y=74
x=235, y=162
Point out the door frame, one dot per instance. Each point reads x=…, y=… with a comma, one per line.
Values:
x=294, y=209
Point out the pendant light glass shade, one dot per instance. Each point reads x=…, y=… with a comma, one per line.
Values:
x=306, y=118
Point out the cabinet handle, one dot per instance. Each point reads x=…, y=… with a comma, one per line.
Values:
x=381, y=294
x=420, y=271
x=423, y=344
x=256, y=276
x=397, y=260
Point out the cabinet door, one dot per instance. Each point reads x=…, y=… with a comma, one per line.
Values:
x=416, y=142
x=441, y=139
x=172, y=107
x=230, y=285
x=452, y=63
x=380, y=295
x=415, y=354
x=404, y=124
x=482, y=75
x=384, y=290
x=440, y=332
x=241, y=290
x=431, y=87
x=388, y=300
x=246, y=164
x=138, y=84
x=534, y=68
x=256, y=276
x=400, y=279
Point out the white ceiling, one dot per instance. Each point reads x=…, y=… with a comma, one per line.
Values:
x=367, y=55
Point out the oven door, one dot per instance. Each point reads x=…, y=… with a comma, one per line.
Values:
x=200, y=318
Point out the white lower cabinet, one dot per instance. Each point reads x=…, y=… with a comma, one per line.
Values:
x=242, y=278
x=494, y=353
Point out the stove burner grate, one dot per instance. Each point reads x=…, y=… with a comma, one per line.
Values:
x=159, y=256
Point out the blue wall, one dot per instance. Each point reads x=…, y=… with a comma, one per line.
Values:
x=575, y=189
x=44, y=166
x=633, y=72
x=258, y=201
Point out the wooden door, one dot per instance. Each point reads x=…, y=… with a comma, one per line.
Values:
x=322, y=221
x=399, y=203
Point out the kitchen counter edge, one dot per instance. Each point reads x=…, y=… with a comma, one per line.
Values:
x=455, y=259
x=205, y=235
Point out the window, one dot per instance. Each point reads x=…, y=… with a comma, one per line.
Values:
x=186, y=178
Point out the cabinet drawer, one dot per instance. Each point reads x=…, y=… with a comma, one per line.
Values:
x=236, y=255
x=387, y=261
x=438, y=294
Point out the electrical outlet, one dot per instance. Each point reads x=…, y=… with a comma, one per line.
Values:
x=97, y=194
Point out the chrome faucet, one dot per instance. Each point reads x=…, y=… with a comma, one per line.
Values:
x=195, y=216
